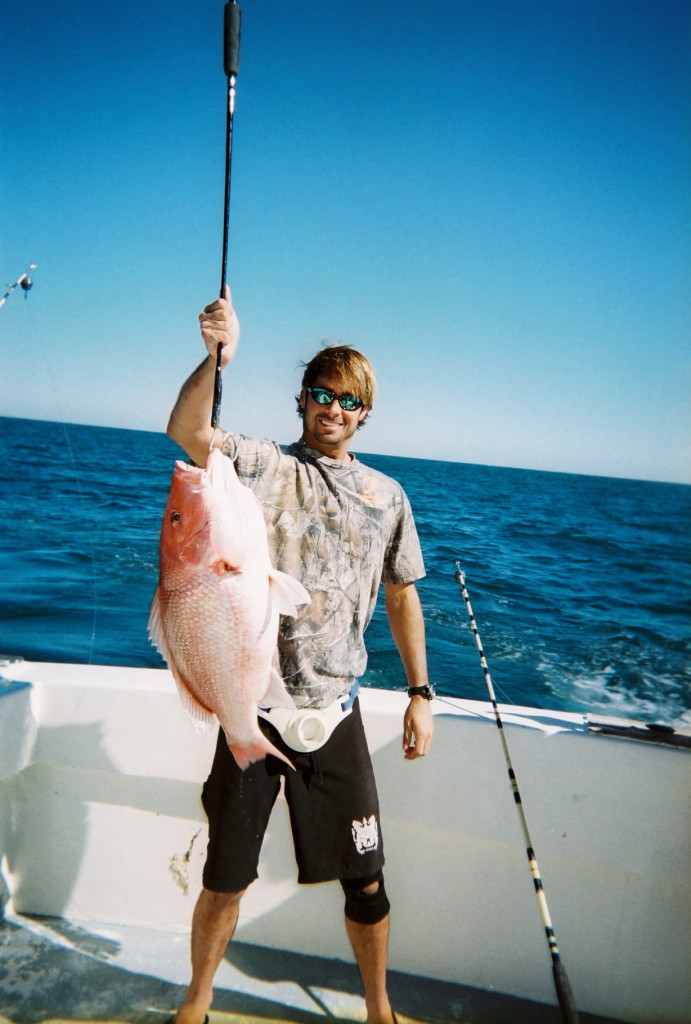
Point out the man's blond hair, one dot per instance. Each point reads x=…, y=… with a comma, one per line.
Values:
x=345, y=368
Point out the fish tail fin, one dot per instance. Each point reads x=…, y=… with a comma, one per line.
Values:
x=286, y=592
x=256, y=750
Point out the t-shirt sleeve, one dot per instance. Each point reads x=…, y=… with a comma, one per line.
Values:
x=252, y=456
x=403, y=562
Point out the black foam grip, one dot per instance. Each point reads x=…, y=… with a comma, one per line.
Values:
x=231, y=38
x=567, y=1004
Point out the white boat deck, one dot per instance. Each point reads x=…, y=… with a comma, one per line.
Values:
x=102, y=843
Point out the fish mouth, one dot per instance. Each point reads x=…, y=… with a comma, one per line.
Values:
x=193, y=477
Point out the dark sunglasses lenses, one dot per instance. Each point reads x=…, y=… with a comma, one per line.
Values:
x=325, y=397
x=349, y=402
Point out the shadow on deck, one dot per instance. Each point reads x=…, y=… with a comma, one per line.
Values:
x=52, y=970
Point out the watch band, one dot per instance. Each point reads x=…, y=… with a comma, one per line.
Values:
x=421, y=691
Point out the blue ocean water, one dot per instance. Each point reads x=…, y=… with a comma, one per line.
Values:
x=579, y=585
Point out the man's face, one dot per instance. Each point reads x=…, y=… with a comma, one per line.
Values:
x=329, y=428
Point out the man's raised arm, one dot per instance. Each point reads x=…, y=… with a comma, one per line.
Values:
x=190, y=421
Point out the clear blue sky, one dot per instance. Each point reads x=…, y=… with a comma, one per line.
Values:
x=489, y=197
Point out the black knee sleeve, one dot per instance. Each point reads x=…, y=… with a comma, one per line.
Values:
x=365, y=907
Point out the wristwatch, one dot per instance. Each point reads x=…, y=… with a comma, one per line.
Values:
x=421, y=691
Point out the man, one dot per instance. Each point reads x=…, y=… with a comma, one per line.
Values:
x=341, y=529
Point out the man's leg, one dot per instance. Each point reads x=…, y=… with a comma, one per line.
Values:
x=370, y=944
x=238, y=805
x=213, y=923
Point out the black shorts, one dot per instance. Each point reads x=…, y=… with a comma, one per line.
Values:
x=333, y=804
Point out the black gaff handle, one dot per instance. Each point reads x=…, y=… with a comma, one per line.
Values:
x=231, y=62
x=232, y=15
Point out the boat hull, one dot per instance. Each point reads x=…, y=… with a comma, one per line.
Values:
x=101, y=821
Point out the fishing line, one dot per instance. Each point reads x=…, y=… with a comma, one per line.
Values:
x=231, y=60
x=561, y=982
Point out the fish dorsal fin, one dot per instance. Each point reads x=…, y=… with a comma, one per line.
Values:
x=277, y=696
x=286, y=592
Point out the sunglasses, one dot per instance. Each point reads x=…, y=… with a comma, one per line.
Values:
x=325, y=396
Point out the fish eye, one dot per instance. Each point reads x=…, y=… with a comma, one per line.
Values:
x=175, y=516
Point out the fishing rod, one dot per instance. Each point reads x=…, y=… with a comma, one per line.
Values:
x=231, y=61
x=561, y=982
x=23, y=282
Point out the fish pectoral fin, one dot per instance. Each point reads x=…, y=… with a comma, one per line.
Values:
x=276, y=695
x=286, y=592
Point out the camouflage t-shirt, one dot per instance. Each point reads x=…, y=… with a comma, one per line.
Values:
x=341, y=529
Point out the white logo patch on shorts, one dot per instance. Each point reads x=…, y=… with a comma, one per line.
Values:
x=365, y=834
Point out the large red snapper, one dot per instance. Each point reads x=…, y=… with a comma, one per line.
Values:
x=214, y=616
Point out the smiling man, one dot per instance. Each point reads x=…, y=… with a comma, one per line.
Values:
x=342, y=529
